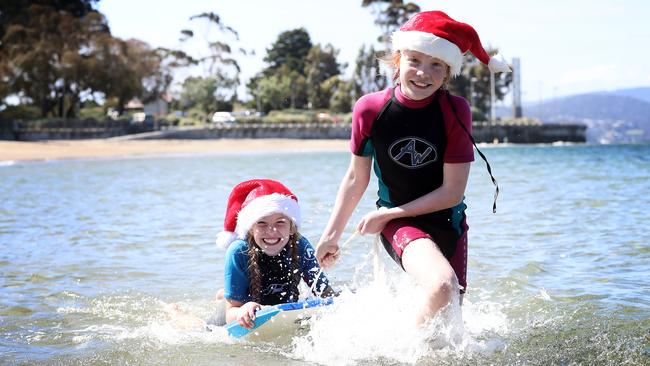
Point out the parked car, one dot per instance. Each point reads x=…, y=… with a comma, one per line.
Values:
x=223, y=117
x=143, y=119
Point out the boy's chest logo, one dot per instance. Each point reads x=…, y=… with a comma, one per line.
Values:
x=413, y=152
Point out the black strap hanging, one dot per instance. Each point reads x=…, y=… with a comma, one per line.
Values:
x=489, y=169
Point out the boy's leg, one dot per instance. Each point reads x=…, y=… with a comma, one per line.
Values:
x=423, y=260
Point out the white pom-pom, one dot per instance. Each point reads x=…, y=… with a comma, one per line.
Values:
x=498, y=64
x=224, y=239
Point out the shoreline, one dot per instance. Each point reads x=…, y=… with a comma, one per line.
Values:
x=106, y=148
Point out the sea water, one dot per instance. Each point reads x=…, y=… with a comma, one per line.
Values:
x=92, y=252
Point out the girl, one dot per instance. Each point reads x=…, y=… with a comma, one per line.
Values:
x=267, y=257
x=419, y=138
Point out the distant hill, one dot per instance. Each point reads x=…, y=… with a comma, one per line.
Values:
x=611, y=117
x=638, y=93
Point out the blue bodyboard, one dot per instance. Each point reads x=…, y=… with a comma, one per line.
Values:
x=266, y=317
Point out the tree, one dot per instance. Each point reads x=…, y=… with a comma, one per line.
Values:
x=46, y=53
x=284, y=89
x=367, y=73
x=53, y=53
x=220, y=68
x=390, y=15
x=342, y=96
x=290, y=49
x=473, y=83
x=128, y=69
x=16, y=11
x=283, y=83
x=320, y=65
x=200, y=92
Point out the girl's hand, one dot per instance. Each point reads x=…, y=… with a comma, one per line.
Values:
x=374, y=222
x=327, y=253
x=246, y=314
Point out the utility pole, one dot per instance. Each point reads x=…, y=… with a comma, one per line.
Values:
x=492, y=98
x=516, y=88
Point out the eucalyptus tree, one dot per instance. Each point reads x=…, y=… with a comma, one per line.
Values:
x=214, y=55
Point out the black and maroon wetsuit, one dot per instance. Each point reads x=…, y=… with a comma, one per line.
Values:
x=410, y=141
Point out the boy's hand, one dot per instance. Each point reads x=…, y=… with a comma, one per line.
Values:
x=327, y=253
x=374, y=221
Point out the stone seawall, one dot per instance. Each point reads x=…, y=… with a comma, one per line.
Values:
x=544, y=133
x=530, y=134
x=253, y=131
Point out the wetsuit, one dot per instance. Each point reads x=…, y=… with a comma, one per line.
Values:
x=409, y=142
x=277, y=285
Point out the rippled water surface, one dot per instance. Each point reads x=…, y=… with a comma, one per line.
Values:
x=93, y=251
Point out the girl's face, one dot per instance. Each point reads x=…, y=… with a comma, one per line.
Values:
x=420, y=75
x=272, y=232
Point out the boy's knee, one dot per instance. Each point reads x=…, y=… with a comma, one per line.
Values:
x=444, y=284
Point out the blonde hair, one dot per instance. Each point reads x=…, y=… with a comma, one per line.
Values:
x=392, y=60
x=255, y=275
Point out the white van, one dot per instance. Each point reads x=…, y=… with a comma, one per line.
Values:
x=223, y=117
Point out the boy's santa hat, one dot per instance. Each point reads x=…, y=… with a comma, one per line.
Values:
x=436, y=34
x=251, y=200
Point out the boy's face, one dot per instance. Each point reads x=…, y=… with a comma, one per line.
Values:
x=272, y=232
x=420, y=75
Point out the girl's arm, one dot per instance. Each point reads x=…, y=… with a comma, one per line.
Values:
x=449, y=194
x=351, y=189
x=244, y=313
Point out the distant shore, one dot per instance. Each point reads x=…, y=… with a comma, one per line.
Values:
x=107, y=148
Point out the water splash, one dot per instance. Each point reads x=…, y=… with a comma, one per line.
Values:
x=376, y=322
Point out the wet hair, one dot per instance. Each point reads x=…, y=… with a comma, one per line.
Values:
x=254, y=252
x=392, y=59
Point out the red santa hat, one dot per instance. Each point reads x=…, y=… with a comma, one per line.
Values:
x=436, y=34
x=251, y=200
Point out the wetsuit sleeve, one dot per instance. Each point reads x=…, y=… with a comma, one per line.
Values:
x=310, y=267
x=459, y=145
x=364, y=113
x=236, y=281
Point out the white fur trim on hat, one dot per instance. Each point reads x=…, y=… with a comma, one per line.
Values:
x=224, y=239
x=264, y=206
x=431, y=45
x=498, y=64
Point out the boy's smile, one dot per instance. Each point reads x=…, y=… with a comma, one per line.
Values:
x=420, y=75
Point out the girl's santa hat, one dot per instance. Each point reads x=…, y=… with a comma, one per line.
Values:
x=436, y=34
x=251, y=200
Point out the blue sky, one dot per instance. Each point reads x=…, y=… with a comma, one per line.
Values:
x=565, y=47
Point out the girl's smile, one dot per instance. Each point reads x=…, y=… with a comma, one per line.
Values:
x=271, y=233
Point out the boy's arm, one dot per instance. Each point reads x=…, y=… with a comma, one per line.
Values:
x=449, y=194
x=352, y=187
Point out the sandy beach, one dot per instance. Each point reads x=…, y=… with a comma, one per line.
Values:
x=100, y=148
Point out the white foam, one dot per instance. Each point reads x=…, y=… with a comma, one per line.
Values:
x=377, y=321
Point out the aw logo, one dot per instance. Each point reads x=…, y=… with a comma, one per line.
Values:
x=413, y=152
x=274, y=288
